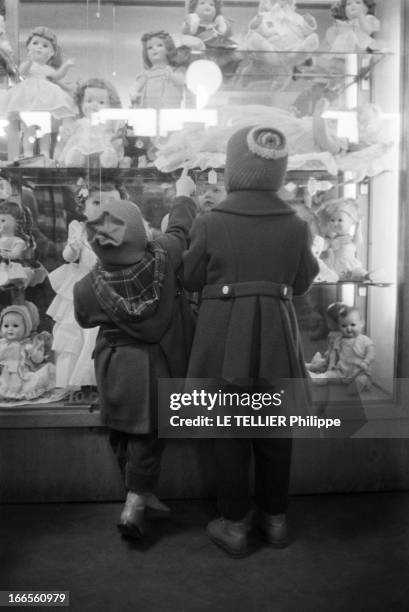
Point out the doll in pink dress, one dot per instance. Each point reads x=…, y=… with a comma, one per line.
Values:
x=355, y=23
x=162, y=83
x=26, y=373
x=86, y=136
x=40, y=91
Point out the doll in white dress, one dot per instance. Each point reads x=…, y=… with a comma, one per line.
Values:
x=342, y=239
x=73, y=346
x=26, y=373
x=86, y=136
x=355, y=23
x=39, y=91
x=161, y=84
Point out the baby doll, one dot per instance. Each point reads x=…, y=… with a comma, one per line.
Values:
x=39, y=91
x=16, y=267
x=325, y=275
x=279, y=28
x=81, y=138
x=73, y=345
x=353, y=353
x=204, y=26
x=355, y=22
x=161, y=84
x=342, y=239
x=319, y=362
x=25, y=372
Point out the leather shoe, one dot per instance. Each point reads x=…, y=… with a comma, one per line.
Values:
x=274, y=528
x=131, y=522
x=231, y=536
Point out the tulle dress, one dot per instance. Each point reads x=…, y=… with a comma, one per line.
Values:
x=38, y=93
x=19, y=273
x=73, y=345
x=349, y=37
x=89, y=139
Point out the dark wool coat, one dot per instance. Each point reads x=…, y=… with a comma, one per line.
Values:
x=251, y=237
x=130, y=357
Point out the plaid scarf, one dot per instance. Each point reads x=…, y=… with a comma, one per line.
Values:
x=132, y=294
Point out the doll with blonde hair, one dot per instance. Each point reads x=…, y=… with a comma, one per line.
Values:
x=42, y=71
x=343, y=237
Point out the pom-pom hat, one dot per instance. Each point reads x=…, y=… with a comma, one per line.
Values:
x=117, y=235
x=256, y=158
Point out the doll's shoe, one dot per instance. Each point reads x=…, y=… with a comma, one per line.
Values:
x=273, y=528
x=131, y=522
x=231, y=536
x=155, y=508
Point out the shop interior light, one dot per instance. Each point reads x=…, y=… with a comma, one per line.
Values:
x=142, y=120
x=41, y=119
x=203, y=78
x=173, y=119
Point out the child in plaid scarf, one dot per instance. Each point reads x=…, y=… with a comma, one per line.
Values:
x=132, y=294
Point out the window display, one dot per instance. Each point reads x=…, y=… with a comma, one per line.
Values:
x=132, y=107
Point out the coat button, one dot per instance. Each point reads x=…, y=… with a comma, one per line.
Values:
x=225, y=289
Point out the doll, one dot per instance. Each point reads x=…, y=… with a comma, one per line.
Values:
x=81, y=138
x=39, y=91
x=25, y=372
x=73, y=345
x=281, y=32
x=205, y=27
x=352, y=354
x=161, y=84
x=342, y=227
x=355, y=22
x=16, y=265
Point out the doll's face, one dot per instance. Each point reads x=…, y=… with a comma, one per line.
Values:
x=206, y=10
x=94, y=100
x=354, y=8
x=40, y=49
x=210, y=195
x=156, y=51
x=12, y=326
x=7, y=225
x=340, y=224
x=95, y=199
x=351, y=325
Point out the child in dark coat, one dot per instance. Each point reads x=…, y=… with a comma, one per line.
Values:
x=248, y=256
x=133, y=295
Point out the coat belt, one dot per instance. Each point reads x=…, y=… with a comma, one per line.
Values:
x=245, y=289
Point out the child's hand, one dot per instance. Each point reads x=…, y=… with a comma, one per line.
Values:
x=184, y=185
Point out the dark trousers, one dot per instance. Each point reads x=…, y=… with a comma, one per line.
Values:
x=272, y=462
x=139, y=458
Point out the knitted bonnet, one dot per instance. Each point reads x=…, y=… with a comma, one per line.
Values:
x=117, y=235
x=256, y=158
x=28, y=312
